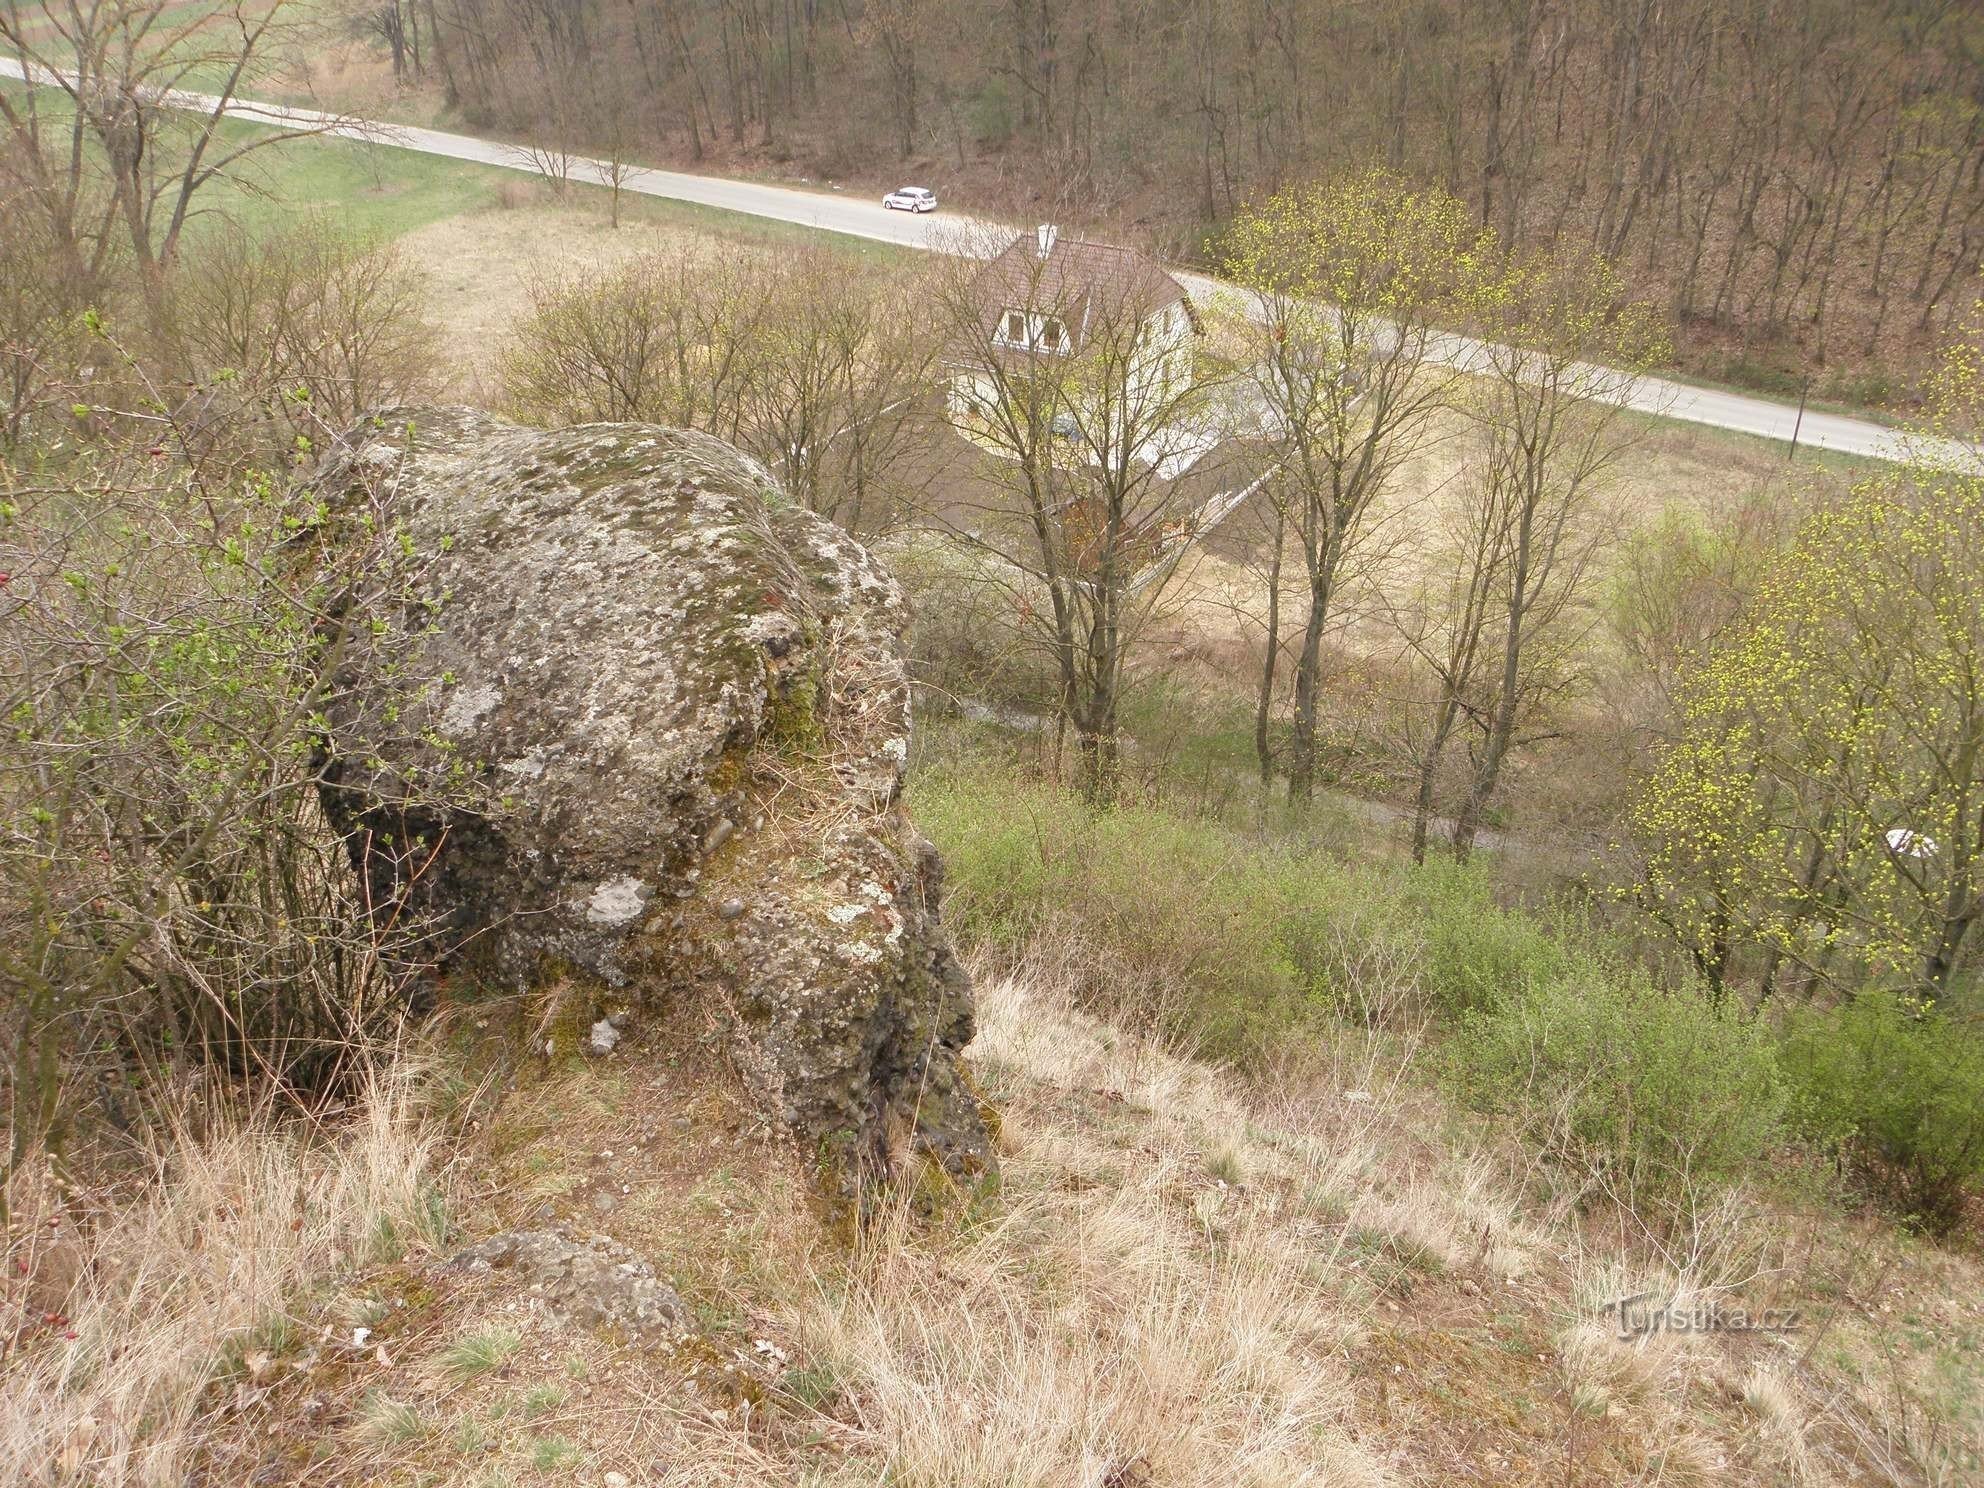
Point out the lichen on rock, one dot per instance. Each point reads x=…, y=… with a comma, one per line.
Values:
x=689, y=697
x=594, y=1282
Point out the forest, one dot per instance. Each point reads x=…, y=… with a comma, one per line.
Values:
x=1801, y=182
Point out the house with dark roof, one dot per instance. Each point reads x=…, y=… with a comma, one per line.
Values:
x=1048, y=302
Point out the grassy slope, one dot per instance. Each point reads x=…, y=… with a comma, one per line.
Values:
x=1183, y=1281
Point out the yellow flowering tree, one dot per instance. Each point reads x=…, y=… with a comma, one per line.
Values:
x=1822, y=804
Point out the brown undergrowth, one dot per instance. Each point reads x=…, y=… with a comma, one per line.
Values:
x=1317, y=1276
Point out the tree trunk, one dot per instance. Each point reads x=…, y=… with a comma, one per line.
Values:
x=1308, y=687
x=1502, y=723
x=1264, y=704
x=1429, y=770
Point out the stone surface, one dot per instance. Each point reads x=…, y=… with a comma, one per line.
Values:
x=637, y=646
x=602, y=1038
x=593, y=1283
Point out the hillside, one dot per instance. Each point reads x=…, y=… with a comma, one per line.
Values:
x=648, y=847
x=1183, y=1280
x=1794, y=183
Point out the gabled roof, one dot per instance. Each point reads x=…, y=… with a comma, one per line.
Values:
x=1084, y=283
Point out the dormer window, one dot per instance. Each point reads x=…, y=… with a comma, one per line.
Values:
x=1030, y=332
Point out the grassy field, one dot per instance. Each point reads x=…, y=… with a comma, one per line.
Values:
x=384, y=192
x=374, y=190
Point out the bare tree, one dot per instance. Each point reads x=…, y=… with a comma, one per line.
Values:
x=613, y=133
x=1444, y=626
x=554, y=159
x=1344, y=288
x=1562, y=356
x=122, y=158
x=841, y=382
x=898, y=29
x=1079, y=383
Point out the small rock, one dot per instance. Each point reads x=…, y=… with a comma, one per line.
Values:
x=589, y=1283
x=719, y=834
x=730, y=909
x=603, y=1202
x=602, y=1038
x=614, y=1480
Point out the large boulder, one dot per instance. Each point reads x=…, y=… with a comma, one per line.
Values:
x=685, y=700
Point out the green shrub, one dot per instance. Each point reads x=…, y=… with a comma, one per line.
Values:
x=1898, y=1093
x=178, y=626
x=1219, y=939
x=1649, y=1092
x=1243, y=947
x=1478, y=955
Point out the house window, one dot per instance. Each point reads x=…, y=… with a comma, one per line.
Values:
x=1031, y=332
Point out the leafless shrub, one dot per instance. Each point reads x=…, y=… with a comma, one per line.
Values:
x=818, y=371
x=303, y=330
x=514, y=193
x=41, y=332
x=170, y=629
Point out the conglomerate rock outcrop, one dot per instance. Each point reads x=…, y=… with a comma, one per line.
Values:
x=683, y=700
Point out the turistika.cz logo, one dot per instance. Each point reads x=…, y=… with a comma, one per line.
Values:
x=1639, y=1316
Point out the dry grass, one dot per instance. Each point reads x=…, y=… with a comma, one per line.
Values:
x=1124, y=1318
x=1312, y=1278
x=1773, y=1397
x=480, y=267
x=188, y=1289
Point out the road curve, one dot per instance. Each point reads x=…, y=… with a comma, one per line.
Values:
x=954, y=232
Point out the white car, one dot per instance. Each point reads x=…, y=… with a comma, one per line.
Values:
x=911, y=199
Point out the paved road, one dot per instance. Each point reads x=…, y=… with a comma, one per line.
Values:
x=954, y=232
